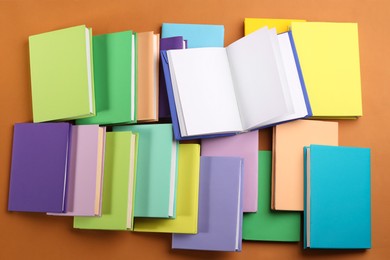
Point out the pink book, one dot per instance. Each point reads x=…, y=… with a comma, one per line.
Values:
x=85, y=172
x=245, y=146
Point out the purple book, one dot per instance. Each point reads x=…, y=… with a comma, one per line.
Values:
x=39, y=167
x=171, y=43
x=220, y=207
x=245, y=146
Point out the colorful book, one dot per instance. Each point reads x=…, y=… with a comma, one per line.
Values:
x=196, y=35
x=281, y=25
x=236, y=89
x=61, y=68
x=337, y=197
x=245, y=146
x=85, y=171
x=329, y=58
x=147, y=76
x=156, y=170
x=186, y=220
x=266, y=224
x=115, y=63
x=287, y=164
x=171, y=43
x=119, y=185
x=39, y=167
x=220, y=207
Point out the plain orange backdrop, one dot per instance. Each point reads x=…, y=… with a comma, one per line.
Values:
x=36, y=236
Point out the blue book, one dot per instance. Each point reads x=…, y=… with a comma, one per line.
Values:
x=337, y=207
x=196, y=35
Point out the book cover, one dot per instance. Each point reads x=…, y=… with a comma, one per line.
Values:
x=186, y=220
x=119, y=174
x=39, y=167
x=287, y=164
x=337, y=197
x=244, y=146
x=115, y=89
x=156, y=170
x=220, y=207
x=329, y=58
x=196, y=35
x=61, y=67
x=267, y=224
x=281, y=25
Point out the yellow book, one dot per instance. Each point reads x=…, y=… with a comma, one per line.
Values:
x=329, y=58
x=281, y=25
x=186, y=220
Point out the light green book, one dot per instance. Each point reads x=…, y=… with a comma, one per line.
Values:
x=114, y=58
x=118, y=185
x=156, y=170
x=266, y=224
x=61, y=66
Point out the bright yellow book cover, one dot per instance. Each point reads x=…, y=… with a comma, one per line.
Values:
x=329, y=58
x=281, y=25
x=186, y=220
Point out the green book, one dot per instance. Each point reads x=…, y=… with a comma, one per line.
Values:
x=114, y=59
x=156, y=170
x=118, y=185
x=266, y=224
x=61, y=66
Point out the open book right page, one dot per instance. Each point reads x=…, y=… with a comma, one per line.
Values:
x=258, y=84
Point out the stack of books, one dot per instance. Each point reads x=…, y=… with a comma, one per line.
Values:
x=110, y=113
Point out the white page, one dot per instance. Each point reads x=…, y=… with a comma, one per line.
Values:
x=258, y=86
x=172, y=184
x=205, y=91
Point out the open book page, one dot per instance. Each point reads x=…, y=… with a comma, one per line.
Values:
x=204, y=88
x=258, y=86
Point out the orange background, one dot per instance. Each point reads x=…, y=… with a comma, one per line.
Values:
x=36, y=236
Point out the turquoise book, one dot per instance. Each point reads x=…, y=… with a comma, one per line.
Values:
x=337, y=206
x=156, y=170
x=267, y=224
x=114, y=60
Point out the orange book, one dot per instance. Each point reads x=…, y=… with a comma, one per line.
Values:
x=287, y=160
x=148, y=60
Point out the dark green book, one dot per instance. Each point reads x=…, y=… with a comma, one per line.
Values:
x=266, y=224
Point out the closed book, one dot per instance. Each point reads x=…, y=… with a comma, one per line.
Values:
x=337, y=197
x=220, y=207
x=281, y=25
x=39, y=167
x=61, y=66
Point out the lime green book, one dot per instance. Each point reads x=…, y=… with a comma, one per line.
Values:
x=61, y=67
x=118, y=185
x=114, y=59
x=186, y=220
x=266, y=224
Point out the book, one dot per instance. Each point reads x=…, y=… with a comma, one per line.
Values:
x=147, y=76
x=267, y=224
x=196, y=35
x=119, y=185
x=220, y=207
x=281, y=25
x=245, y=146
x=85, y=171
x=235, y=89
x=329, y=58
x=39, y=167
x=186, y=220
x=156, y=170
x=337, y=197
x=287, y=162
x=171, y=43
x=115, y=66
x=61, y=68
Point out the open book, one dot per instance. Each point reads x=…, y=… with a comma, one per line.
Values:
x=253, y=83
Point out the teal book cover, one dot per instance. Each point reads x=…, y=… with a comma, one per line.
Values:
x=267, y=224
x=337, y=211
x=156, y=170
